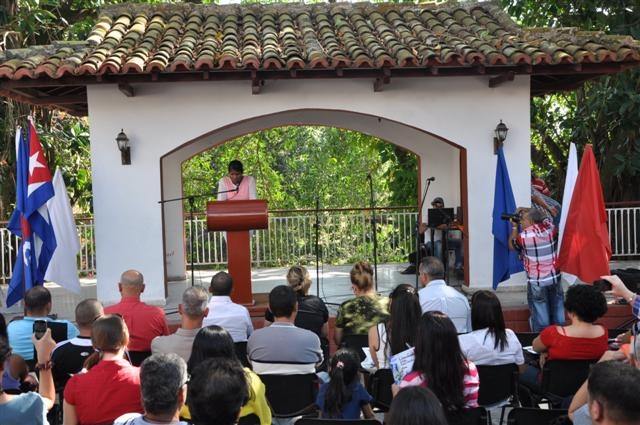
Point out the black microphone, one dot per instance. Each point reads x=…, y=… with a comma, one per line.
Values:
x=238, y=187
x=431, y=179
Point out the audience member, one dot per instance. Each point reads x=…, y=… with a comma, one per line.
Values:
x=217, y=391
x=29, y=408
x=111, y=386
x=619, y=289
x=400, y=330
x=416, y=406
x=611, y=394
x=581, y=340
x=163, y=388
x=283, y=348
x=224, y=312
x=215, y=342
x=193, y=310
x=144, y=321
x=344, y=397
x=69, y=356
x=367, y=309
x=37, y=306
x=436, y=295
x=489, y=342
x=440, y=365
x=312, y=311
x=16, y=378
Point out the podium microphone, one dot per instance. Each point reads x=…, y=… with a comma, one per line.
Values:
x=431, y=179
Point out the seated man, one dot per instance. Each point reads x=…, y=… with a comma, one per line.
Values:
x=37, y=305
x=68, y=356
x=163, y=385
x=192, y=311
x=283, y=348
x=144, y=321
x=223, y=312
x=436, y=295
x=433, y=240
x=217, y=390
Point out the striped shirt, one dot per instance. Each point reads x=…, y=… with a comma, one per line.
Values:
x=470, y=384
x=537, y=246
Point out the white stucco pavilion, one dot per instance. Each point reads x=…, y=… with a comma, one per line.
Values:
x=438, y=85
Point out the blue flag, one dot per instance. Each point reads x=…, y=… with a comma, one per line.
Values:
x=30, y=220
x=505, y=261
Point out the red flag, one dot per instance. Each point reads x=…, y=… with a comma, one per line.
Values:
x=585, y=249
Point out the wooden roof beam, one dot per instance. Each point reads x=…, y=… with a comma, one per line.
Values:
x=126, y=89
x=502, y=78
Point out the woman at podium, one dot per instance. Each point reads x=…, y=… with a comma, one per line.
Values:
x=235, y=186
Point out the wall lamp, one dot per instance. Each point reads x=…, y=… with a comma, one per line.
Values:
x=123, y=145
x=500, y=136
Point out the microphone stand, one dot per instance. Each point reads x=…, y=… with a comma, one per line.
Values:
x=317, y=226
x=191, y=199
x=418, y=249
x=375, y=233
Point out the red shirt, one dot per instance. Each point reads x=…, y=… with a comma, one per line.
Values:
x=110, y=389
x=144, y=321
x=565, y=347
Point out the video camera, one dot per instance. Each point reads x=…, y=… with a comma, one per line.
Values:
x=515, y=217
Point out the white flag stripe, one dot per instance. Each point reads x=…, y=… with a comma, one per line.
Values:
x=63, y=268
x=569, y=185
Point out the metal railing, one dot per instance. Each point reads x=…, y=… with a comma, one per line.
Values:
x=344, y=236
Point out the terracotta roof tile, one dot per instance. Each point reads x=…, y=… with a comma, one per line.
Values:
x=188, y=38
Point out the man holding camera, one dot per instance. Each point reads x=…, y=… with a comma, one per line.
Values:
x=537, y=242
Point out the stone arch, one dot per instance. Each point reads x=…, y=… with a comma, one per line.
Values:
x=437, y=156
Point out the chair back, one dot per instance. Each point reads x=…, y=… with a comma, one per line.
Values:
x=533, y=416
x=562, y=378
x=241, y=353
x=380, y=389
x=356, y=342
x=526, y=338
x=291, y=395
x=475, y=416
x=320, y=421
x=497, y=383
x=250, y=419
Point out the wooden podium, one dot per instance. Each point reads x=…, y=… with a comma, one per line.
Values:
x=237, y=218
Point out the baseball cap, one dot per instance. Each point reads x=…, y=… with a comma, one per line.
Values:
x=437, y=200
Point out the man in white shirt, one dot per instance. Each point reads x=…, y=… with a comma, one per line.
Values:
x=223, y=312
x=436, y=295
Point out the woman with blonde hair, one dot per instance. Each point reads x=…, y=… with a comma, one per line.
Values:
x=367, y=309
x=312, y=311
x=111, y=385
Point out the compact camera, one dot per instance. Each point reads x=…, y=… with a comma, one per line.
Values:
x=515, y=217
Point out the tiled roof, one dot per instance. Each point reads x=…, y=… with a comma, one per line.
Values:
x=134, y=43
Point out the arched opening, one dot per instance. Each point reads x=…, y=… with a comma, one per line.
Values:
x=436, y=157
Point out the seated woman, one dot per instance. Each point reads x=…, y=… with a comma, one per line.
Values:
x=312, y=311
x=399, y=332
x=581, y=340
x=440, y=365
x=490, y=343
x=29, y=408
x=367, y=309
x=215, y=342
x=111, y=386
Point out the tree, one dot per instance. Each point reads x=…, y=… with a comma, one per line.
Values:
x=603, y=112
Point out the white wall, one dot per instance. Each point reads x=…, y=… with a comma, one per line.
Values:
x=164, y=117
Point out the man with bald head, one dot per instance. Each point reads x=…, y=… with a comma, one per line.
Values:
x=144, y=321
x=68, y=356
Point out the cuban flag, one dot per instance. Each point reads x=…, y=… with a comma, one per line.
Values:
x=30, y=220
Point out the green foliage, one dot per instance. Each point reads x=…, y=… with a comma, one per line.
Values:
x=602, y=112
x=296, y=165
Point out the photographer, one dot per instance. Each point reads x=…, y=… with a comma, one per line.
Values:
x=537, y=242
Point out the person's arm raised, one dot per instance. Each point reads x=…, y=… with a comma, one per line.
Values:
x=44, y=347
